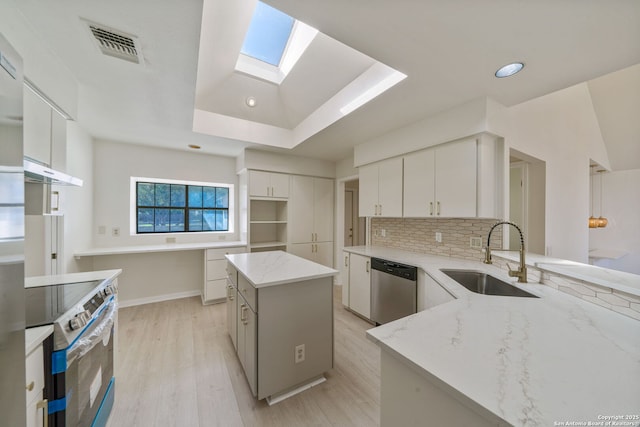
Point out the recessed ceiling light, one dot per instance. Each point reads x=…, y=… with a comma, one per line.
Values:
x=195, y=147
x=251, y=101
x=509, y=69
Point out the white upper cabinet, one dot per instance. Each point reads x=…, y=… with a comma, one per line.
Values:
x=381, y=188
x=45, y=132
x=441, y=181
x=268, y=184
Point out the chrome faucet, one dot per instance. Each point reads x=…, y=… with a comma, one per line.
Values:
x=520, y=273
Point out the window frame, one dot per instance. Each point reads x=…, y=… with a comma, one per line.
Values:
x=186, y=209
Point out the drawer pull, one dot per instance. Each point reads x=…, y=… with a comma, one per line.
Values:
x=31, y=385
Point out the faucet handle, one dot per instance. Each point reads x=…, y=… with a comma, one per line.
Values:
x=512, y=272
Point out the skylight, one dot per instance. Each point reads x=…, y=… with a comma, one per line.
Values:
x=268, y=34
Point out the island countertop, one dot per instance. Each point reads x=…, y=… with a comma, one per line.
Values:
x=277, y=267
x=521, y=361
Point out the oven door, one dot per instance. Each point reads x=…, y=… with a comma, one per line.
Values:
x=87, y=382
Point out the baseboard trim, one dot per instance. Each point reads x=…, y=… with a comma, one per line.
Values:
x=157, y=298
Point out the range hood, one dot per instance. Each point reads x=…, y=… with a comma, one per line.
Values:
x=38, y=173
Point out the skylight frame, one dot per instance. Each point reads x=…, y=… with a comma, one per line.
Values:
x=299, y=40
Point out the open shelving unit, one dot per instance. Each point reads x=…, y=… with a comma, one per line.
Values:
x=267, y=225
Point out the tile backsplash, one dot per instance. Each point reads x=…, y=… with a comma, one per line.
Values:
x=418, y=235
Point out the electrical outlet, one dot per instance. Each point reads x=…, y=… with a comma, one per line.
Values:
x=170, y=239
x=383, y=232
x=475, y=242
x=102, y=230
x=299, y=353
x=438, y=237
x=222, y=237
x=115, y=231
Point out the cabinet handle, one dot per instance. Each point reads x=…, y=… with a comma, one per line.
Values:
x=44, y=405
x=230, y=293
x=438, y=208
x=243, y=310
x=346, y=261
x=430, y=208
x=368, y=266
x=30, y=386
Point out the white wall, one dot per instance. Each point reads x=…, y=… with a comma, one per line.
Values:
x=114, y=165
x=561, y=129
x=621, y=206
x=285, y=163
x=77, y=202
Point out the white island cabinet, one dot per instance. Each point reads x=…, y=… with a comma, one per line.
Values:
x=284, y=321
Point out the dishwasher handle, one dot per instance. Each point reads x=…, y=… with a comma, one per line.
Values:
x=405, y=271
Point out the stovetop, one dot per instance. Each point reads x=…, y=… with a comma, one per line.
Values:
x=45, y=304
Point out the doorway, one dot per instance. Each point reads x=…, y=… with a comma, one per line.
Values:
x=527, y=189
x=354, y=226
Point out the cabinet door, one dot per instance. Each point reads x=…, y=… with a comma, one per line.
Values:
x=232, y=313
x=430, y=293
x=250, y=357
x=37, y=128
x=279, y=185
x=360, y=285
x=324, y=253
x=58, y=141
x=301, y=209
x=368, y=176
x=323, y=209
x=456, y=169
x=390, y=188
x=215, y=289
x=419, y=184
x=303, y=250
x=344, y=275
x=259, y=184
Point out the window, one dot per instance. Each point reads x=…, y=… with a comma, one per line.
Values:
x=175, y=207
x=268, y=34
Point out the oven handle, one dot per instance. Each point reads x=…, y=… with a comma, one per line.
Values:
x=99, y=331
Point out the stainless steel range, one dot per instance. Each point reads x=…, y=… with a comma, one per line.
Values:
x=81, y=388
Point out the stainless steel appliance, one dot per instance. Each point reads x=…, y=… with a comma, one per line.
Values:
x=83, y=316
x=393, y=290
x=12, y=366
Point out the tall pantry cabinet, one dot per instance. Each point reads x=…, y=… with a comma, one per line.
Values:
x=311, y=218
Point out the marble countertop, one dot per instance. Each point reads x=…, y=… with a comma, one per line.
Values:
x=277, y=267
x=37, y=281
x=619, y=280
x=167, y=247
x=34, y=336
x=528, y=361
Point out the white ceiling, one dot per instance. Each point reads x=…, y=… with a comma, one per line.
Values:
x=448, y=49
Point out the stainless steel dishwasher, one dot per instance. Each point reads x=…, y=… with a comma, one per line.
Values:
x=393, y=290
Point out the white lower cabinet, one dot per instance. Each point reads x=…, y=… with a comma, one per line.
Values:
x=36, y=405
x=431, y=293
x=344, y=274
x=232, y=305
x=215, y=274
x=360, y=284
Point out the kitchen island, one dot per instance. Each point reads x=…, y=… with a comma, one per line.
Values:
x=280, y=319
x=491, y=360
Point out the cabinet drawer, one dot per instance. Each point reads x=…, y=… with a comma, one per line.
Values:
x=219, y=253
x=216, y=269
x=247, y=291
x=215, y=289
x=34, y=369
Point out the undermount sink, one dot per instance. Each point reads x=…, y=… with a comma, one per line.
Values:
x=486, y=284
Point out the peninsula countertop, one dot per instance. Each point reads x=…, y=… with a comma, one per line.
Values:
x=277, y=267
x=525, y=361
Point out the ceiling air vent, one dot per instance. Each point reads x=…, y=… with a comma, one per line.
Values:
x=116, y=43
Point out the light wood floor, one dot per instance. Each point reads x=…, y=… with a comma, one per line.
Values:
x=177, y=367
